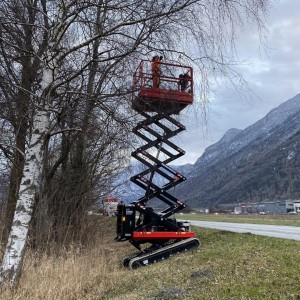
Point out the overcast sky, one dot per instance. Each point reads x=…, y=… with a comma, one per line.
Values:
x=273, y=75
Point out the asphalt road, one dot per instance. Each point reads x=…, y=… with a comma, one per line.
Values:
x=285, y=232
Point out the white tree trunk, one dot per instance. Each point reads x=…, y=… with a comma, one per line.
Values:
x=33, y=167
x=15, y=249
x=31, y=182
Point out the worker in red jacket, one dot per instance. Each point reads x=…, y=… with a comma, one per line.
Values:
x=156, y=60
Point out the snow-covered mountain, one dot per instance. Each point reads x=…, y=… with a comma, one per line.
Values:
x=235, y=139
x=235, y=168
x=127, y=191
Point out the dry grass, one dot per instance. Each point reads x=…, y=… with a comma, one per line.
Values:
x=77, y=273
x=228, y=266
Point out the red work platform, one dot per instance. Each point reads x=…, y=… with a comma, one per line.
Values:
x=174, y=93
x=162, y=235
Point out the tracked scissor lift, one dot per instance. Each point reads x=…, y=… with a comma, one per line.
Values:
x=164, y=235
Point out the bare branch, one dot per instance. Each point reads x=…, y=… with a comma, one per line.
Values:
x=11, y=146
x=64, y=130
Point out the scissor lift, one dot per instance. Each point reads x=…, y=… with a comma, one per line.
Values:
x=157, y=106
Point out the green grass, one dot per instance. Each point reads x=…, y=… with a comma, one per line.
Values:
x=227, y=266
x=289, y=220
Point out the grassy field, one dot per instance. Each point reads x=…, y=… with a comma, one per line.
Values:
x=227, y=266
x=289, y=220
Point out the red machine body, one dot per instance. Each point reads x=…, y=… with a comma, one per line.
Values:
x=174, y=93
x=162, y=235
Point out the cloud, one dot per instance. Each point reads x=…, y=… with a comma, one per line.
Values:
x=272, y=74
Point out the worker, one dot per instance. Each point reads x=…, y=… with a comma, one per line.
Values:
x=183, y=81
x=156, y=60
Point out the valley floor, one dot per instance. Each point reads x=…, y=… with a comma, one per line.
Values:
x=288, y=220
x=235, y=266
x=278, y=231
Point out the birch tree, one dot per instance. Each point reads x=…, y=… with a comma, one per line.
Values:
x=81, y=54
x=32, y=173
x=18, y=72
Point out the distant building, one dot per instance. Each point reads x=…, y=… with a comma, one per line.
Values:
x=237, y=210
x=296, y=205
x=110, y=205
x=273, y=207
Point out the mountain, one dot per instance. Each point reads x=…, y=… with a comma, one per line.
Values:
x=123, y=188
x=127, y=191
x=258, y=163
x=235, y=139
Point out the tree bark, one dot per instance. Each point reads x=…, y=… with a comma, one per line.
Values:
x=20, y=123
x=15, y=249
